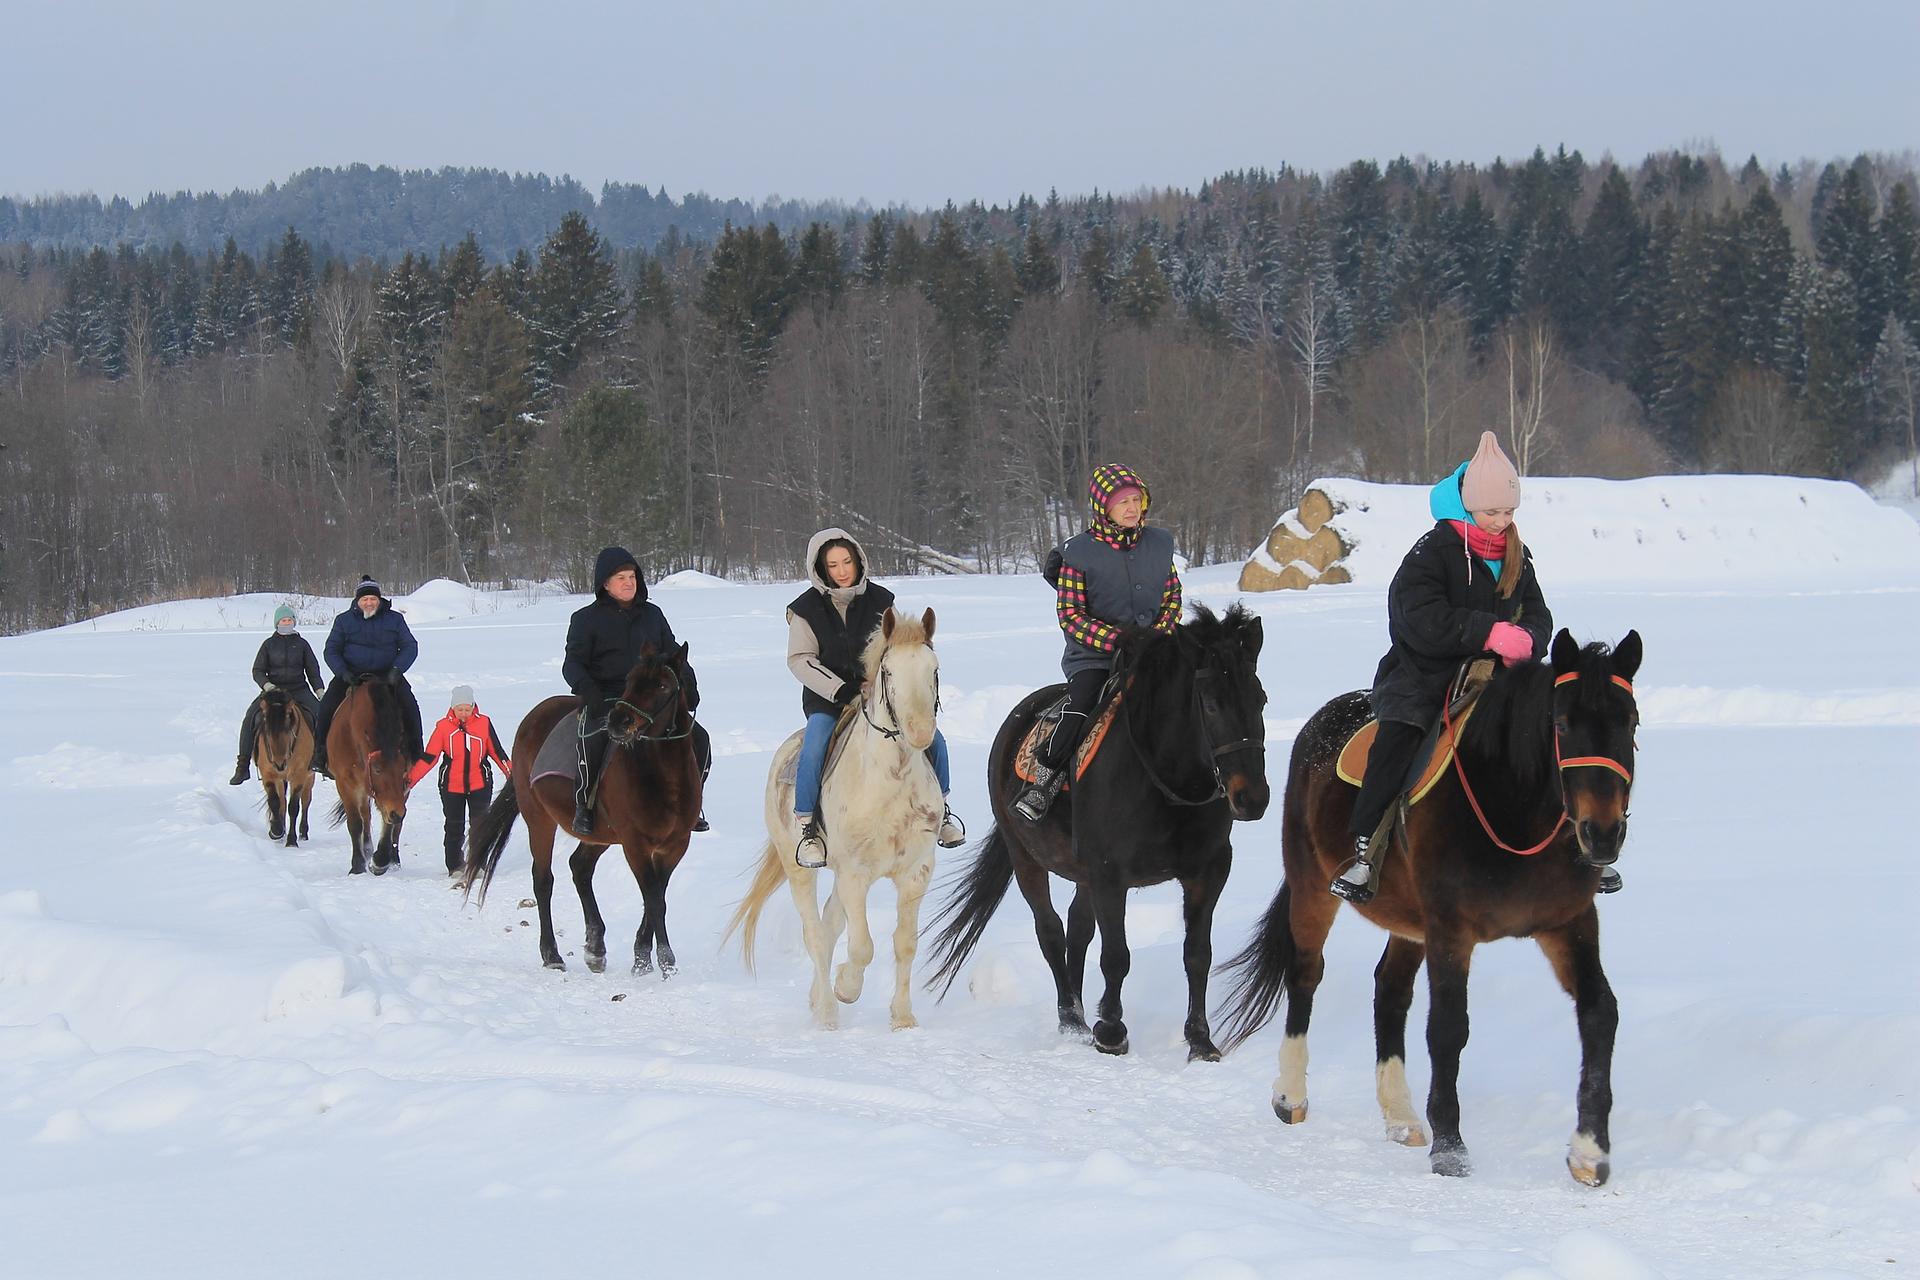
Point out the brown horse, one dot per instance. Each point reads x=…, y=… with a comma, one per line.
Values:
x=1548, y=753
x=649, y=800
x=367, y=753
x=283, y=752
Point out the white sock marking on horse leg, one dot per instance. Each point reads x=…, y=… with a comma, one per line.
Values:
x=1584, y=1151
x=1290, y=1086
x=1396, y=1104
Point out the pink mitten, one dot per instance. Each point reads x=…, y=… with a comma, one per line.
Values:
x=1512, y=643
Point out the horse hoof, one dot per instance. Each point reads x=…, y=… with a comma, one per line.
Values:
x=1076, y=1029
x=1202, y=1052
x=1451, y=1162
x=378, y=868
x=1587, y=1161
x=1290, y=1112
x=1407, y=1135
x=555, y=963
x=667, y=969
x=906, y=1022
x=596, y=963
x=356, y=870
x=1110, y=1037
x=641, y=968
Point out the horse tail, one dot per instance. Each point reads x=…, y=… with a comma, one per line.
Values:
x=1261, y=971
x=963, y=917
x=768, y=876
x=339, y=814
x=486, y=841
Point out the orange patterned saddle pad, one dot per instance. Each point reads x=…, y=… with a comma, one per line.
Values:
x=1025, y=765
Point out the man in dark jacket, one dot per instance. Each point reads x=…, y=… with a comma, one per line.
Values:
x=285, y=661
x=604, y=643
x=371, y=639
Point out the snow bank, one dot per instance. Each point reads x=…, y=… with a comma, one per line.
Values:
x=1665, y=530
x=691, y=578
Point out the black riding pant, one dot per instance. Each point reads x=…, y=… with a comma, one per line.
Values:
x=460, y=810
x=1083, y=692
x=1394, y=746
x=593, y=742
x=250, y=723
x=339, y=687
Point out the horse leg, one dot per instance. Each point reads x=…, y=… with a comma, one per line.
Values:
x=357, y=834
x=1309, y=920
x=540, y=834
x=1392, y=996
x=306, y=808
x=594, y=947
x=911, y=887
x=1199, y=894
x=654, y=872
x=1449, y=956
x=1037, y=888
x=851, y=976
x=1574, y=952
x=802, y=882
x=1110, y=912
x=296, y=814
x=276, y=815
x=1080, y=931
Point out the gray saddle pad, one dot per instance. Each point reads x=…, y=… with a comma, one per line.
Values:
x=559, y=755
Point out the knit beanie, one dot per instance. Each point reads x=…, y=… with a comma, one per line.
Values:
x=1490, y=482
x=462, y=696
x=367, y=587
x=283, y=619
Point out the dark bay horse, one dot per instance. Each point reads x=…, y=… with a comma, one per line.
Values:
x=649, y=800
x=367, y=752
x=283, y=752
x=1547, y=759
x=1185, y=758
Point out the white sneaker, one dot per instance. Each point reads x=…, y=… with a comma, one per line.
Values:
x=953, y=832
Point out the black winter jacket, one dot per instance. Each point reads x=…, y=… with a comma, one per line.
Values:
x=605, y=638
x=1437, y=619
x=287, y=661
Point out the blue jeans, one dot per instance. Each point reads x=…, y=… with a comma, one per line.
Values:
x=813, y=759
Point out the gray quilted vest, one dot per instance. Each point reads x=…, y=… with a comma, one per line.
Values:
x=1123, y=587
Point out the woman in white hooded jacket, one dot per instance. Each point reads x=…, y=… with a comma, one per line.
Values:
x=828, y=626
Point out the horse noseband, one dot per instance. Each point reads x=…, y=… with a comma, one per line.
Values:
x=648, y=717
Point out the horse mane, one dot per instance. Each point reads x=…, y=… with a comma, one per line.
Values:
x=1142, y=646
x=906, y=630
x=389, y=721
x=1517, y=710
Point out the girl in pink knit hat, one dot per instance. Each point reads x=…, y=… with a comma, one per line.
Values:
x=1466, y=588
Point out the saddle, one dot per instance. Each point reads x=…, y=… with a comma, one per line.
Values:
x=1025, y=761
x=1436, y=749
x=559, y=755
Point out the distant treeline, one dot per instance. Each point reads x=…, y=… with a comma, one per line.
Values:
x=182, y=422
x=359, y=211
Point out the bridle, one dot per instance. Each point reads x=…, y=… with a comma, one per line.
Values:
x=280, y=765
x=1214, y=753
x=668, y=703
x=1564, y=763
x=886, y=700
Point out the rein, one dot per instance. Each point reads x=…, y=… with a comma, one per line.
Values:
x=1206, y=738
x=280, y=765
x=1564, y=763
x=647, y=718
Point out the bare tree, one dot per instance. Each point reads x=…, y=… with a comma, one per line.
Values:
x=1533, y=376
x=1755, y=425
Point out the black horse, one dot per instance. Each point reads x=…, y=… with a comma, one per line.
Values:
x=1508, y=844
x=1185, y=757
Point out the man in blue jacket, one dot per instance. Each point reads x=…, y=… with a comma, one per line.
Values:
x=370, y=639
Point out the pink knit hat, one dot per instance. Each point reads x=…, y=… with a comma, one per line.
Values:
x=1490, y=482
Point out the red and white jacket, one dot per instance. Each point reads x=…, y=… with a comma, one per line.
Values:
x=468, y=748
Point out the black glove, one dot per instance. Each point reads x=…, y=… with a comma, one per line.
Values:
x=596, y=708
x=1051, y=571
x=848, y=691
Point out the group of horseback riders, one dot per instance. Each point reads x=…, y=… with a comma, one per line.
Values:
x=1467, y=588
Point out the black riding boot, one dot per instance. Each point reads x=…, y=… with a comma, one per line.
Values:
x=593, y=753
x=1038, y=798
x=1355, y=884
x=249, y=732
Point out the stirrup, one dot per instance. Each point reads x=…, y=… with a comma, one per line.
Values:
x=950, y=823
x=1038, y=798
x=1610, y=881
x=1355, y=882
x=582, y=819
x=811, y=852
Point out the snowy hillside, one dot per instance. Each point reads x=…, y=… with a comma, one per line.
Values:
x=1696, y=529
x=223, y=1058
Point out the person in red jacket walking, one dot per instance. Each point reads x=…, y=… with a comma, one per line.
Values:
x=467, y=748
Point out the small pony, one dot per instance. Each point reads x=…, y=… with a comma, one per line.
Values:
x=882, y=808
x=283, y=753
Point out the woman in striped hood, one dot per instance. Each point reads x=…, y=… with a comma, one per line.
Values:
x=1116, y=574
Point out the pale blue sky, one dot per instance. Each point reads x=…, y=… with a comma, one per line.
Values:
x=922, y=102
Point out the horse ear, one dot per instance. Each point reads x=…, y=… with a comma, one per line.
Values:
x=1252, y=637
x=680, y=655
x=926, y=620
x=1566, y=651
x=1626, y=656
x=886, y=623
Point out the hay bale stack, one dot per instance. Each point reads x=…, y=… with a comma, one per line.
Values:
x=1303, y=549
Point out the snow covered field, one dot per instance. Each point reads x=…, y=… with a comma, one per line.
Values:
x=219, y=1057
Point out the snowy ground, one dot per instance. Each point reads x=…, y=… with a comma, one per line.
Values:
x=219, y=1057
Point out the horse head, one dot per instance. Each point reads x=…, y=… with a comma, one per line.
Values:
x=1594, y=722
x=388, y=760
x=280, y=721
x=658, y=691
x=1224, y=651
x=903, y=678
